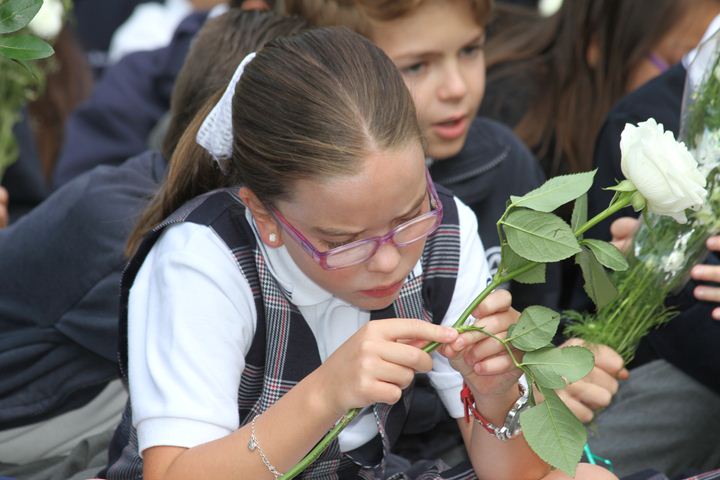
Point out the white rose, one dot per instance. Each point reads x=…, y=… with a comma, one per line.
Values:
x=549, y=7
x=49, y=20
x=662, y=170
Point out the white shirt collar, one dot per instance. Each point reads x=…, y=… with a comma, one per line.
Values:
x=218, y=10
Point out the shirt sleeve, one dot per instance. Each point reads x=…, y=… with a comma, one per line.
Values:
x=191, y=321
x=473, y=276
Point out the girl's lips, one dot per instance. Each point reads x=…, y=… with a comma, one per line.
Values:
x=451, y=129
x=383, y=292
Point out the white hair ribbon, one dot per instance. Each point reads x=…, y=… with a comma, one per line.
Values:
x=216, y=132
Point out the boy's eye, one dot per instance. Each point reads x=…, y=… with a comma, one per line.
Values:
x=472, y=50
x=414, y=69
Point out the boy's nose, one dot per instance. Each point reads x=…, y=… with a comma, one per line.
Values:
x=453, y=85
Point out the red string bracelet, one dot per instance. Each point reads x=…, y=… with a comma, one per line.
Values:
x=468, y=400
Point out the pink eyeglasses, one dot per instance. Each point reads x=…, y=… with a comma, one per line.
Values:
x=362, y=250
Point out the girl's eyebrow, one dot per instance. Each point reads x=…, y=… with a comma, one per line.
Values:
x=336, y=232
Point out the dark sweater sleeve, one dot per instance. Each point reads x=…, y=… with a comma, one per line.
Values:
x=114, y=123
x=59, y=292
x=133, y=95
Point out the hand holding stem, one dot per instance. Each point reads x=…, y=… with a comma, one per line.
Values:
x=502, y=276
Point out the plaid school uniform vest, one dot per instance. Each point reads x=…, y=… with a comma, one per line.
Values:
x=284, y=351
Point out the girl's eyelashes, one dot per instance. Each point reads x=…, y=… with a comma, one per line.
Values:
x=339, y=243
x=331, y=245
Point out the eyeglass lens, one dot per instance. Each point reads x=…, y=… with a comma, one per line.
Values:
x=409, y=233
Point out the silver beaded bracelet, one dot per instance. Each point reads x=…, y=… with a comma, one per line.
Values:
x=254, y=445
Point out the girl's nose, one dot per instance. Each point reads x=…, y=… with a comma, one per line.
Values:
x=386, y=259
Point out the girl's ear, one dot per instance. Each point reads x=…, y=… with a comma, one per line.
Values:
x=267, y=225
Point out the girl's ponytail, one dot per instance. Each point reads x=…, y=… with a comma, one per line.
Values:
x=191, y=172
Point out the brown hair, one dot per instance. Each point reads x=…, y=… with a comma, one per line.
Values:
x=216, y=51
x=308, y=106
x=68, y=83
x=356, y=14
x=563, y=119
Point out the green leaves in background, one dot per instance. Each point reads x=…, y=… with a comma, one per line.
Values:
x=607, y=254
x=24, y=47
x=555, y=192
x=16, y=14
x=539, y=237
x=597, y=282
x=555, y=367
x=554, y=433
x=535, y=329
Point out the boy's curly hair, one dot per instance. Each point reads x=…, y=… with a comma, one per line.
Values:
x=356, y=14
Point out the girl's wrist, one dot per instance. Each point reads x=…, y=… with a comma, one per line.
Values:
x=322, y=397
x=495, y=406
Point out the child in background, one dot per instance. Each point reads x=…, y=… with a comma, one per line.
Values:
x=248, y=310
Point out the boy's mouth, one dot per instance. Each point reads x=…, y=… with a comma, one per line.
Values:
x=452, y=128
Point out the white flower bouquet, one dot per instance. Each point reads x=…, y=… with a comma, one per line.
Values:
x=665, y=249
x=532, y=236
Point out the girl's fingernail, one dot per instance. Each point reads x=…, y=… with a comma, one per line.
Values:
x=459, y=344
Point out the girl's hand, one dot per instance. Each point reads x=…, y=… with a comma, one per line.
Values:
x=623, y=231
x=4, y=200
x=597, y=388
x=483, y=361
x=379, y=361
x=709, y=273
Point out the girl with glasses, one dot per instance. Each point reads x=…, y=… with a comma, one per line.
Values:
x=292, y=264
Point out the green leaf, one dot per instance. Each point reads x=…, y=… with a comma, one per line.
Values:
x=535, y=329
x=554, y=433
x=556, y=192
x=607, y=254
x=624, y=186
x=638, y=202
x=16, y=14
x=539, y=237
x=24, y=47
x=580, y=212
x=597, y=282
x=27, y=68
x=555, y=367
x=512, y=261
